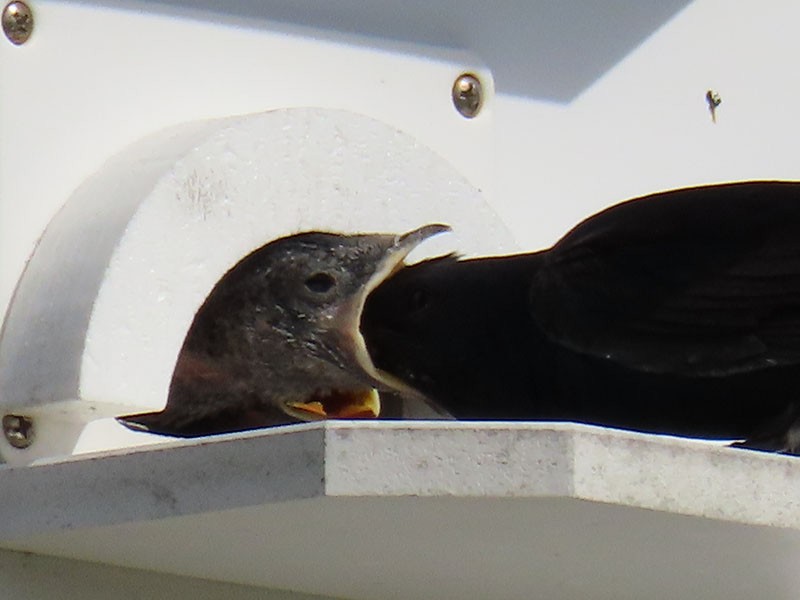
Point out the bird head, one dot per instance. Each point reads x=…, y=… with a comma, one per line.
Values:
x=311, y=289
x=280, y=336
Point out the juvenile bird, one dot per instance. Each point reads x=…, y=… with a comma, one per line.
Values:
x=674, y=313
x=277, y=340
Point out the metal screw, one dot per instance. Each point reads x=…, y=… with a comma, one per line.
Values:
x=714, y=100
x=18, y=430
x=17, y=22
x=467, y=95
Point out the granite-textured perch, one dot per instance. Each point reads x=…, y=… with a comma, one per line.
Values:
x=410, y=509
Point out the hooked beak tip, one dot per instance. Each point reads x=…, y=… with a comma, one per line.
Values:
x=416, y=236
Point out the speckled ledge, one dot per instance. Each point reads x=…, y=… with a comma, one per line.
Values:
x=333, y=508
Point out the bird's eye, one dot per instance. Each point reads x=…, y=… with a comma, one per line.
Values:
x=320, y=283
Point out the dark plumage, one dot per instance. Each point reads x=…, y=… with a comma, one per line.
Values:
x=675, y=313
x=277, y=339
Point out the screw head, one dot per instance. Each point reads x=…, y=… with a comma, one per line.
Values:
x=467, y=95
x=18, y=430
x=17, y=22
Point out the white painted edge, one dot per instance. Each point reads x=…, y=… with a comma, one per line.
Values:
x=403, y=458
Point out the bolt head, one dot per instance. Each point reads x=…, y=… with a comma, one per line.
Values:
x=467, y=95
x=17, y=22
x=18, y=430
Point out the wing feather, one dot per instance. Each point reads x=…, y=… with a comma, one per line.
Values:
x=700, y=281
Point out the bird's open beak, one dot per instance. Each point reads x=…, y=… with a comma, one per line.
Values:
x=363, y=403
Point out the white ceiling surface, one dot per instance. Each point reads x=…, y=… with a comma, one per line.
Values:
x=415, y=510
x=549, y=50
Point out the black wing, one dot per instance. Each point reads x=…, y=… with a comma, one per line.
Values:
x=701, y=281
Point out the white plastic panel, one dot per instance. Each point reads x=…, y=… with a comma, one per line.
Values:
x=645, y=126
x=418, y=510
x=103, y=307
x=94, y=79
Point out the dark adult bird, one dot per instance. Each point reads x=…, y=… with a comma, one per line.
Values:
x=675, y=313
x=277, y=340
